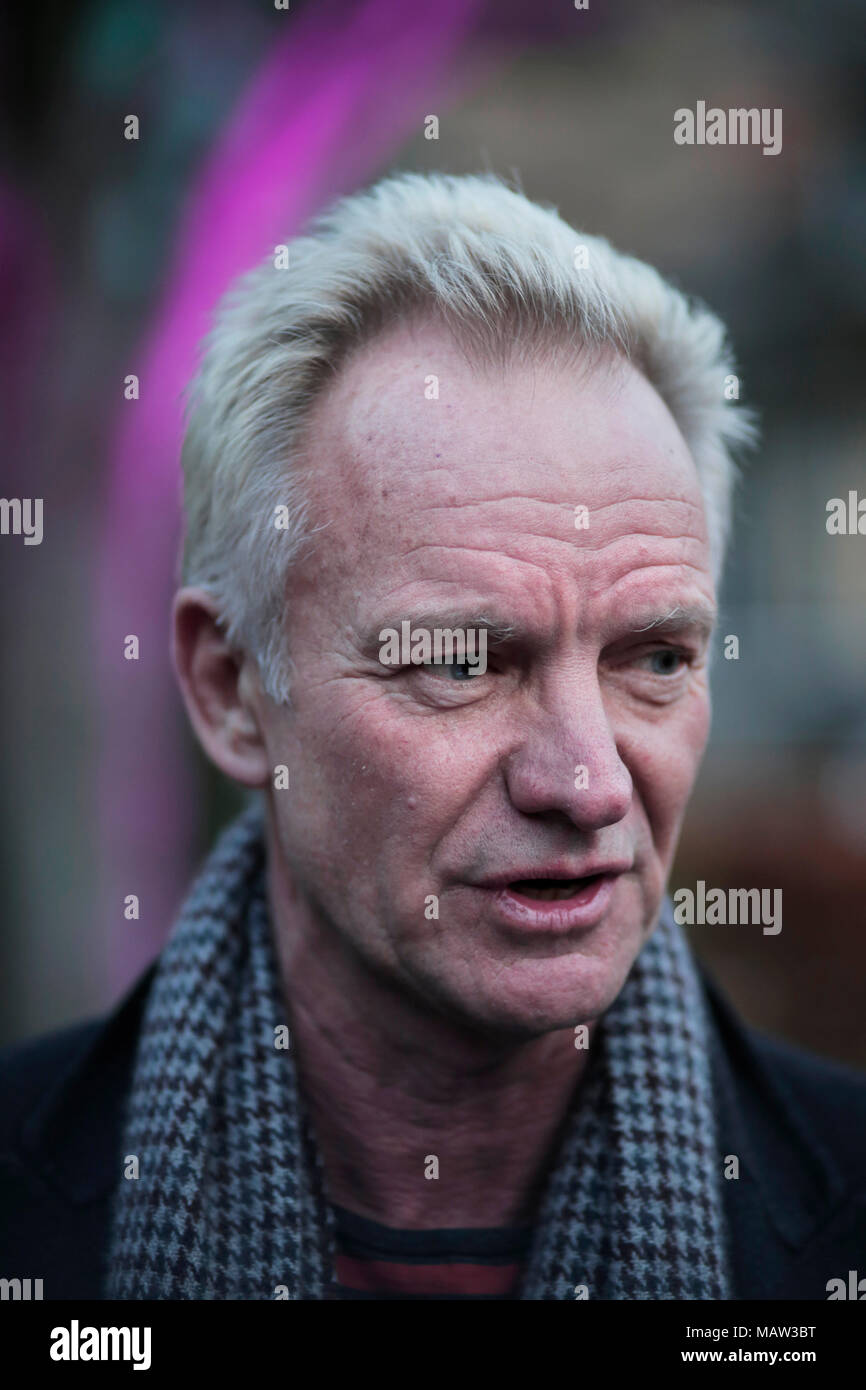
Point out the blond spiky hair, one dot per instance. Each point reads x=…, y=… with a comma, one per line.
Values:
x=497, y=270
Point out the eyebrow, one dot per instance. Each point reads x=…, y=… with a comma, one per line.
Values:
x=497, y=629
x=697, y=617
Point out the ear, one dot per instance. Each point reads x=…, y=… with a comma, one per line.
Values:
x=220, y=688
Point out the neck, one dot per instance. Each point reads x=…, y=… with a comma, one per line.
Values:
x=393, y=1085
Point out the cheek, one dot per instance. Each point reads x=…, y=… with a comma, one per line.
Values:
x=663, y=759
x=347, y=825
x=367, y=777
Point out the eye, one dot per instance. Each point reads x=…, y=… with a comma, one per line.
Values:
x=666, y=661
x=455, y=670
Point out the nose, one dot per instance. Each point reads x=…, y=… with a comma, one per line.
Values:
x=566, y=758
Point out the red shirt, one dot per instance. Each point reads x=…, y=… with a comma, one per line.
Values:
x=375, y=1261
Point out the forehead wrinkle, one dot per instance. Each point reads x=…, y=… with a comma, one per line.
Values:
x=493, y=501
x=644, y=536
x=547, y=571
x=695, y=513
x=681, y=499
x=473, y=584
x=576, y=541
x=637, y=570
x=560, y=513
x=585, y=537
x=548, y=521
x=632, y=584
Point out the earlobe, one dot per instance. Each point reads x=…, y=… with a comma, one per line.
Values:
x=215, y=683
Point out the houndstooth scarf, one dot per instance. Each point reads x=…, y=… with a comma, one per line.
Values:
x=230, y=1199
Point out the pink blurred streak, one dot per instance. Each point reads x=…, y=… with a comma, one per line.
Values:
x=340, y=93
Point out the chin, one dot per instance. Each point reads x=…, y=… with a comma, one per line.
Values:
x=530, y=1003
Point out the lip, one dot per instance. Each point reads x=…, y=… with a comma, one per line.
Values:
x=558, y=868
x=582, y=911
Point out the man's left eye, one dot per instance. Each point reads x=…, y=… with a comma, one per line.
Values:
x=667, y=661
x=460, y=670
x=452, y=670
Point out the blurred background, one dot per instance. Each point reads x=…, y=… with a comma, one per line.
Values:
x=250, y=118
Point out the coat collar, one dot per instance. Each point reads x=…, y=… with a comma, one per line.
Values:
x=797, y=1181
x=72, y=1135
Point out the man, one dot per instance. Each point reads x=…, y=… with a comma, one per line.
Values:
x=426, y=1026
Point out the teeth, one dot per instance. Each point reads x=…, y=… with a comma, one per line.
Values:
x=550, y=890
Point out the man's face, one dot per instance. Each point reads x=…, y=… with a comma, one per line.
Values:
x=572, y=756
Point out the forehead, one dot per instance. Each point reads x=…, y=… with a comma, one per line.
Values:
x=426, y=467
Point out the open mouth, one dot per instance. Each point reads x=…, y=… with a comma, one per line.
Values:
x=551, y=890
x=554, y=904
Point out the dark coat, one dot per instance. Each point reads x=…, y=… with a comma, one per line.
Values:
x=796, y=1214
